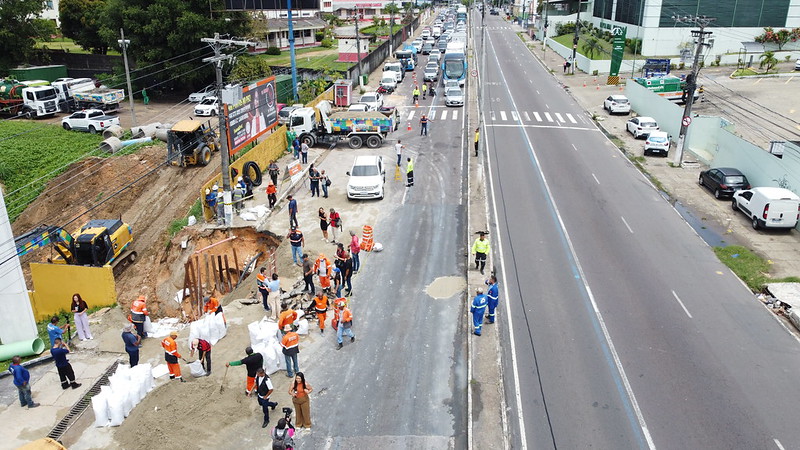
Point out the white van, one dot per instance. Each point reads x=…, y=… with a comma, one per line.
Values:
x=389, y=80
x=768, y=207
x=395, y=67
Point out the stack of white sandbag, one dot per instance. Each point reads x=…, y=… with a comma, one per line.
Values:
x=265, y=339
x=128, y=386
x=211, y=327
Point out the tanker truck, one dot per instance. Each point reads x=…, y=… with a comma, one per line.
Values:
x=322, y=126
x=17, y=99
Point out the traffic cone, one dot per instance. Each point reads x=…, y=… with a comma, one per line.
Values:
x=584, y=84
x=598, y=87
x=416, y=103
x=409, y=126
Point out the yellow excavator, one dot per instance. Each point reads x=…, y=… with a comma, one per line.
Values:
x=98, y=243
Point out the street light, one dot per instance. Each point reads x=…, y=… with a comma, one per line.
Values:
x=124, y=43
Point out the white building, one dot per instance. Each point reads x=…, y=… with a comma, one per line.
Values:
x=51, y=11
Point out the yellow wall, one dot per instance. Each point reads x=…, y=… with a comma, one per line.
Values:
x=54, y=285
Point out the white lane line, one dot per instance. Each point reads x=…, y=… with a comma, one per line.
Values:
x=560, y=119
x=574, y=148
x=571, y=119
x=582, y=276
x=444, y=115
x=538, y=117
x=493, y=118
x=514, y=116
x=537, y=92
x=546, y=106
x=548, y=117
x=432, y=114
x=527, y=117
x=778, y=443
x=518, y=125
x=595, y=179
x=687, y=312
x=502, y=115
x=626, y=224
x=411, y=115
x=455, y=114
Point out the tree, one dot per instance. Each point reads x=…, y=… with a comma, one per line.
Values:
x=160, y=30
x=80, y=21
x=19, y=31
x=780, y=37
x=591, y=46
x=249, y=68
x=392, y=9
x=769, y=60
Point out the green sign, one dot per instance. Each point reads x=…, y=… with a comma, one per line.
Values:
x=617, y=49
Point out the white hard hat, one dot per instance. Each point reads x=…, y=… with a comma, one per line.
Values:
x=208, y=191
x=214, y=188
x=240, y=178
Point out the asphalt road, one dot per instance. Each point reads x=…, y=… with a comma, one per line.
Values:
x=403, y=382
x=622, y=328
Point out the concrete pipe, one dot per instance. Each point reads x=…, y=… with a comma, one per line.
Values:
x=113, y=145
x=148, y=130
x=113, y=131
x=22, y=348
x=161, y=134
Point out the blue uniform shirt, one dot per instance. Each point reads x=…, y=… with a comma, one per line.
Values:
x=21, y=374
x=130, y=342
x=54, y=331
x=274, y=285
x=60, y=356
x=479, y=303
x=493, y=292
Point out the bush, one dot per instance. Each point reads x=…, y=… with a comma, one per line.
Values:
x=565, y=28
x=327, y=43
x=273, y=51
x=319, y=35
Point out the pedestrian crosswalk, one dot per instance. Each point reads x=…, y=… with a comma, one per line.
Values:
x=510, y=117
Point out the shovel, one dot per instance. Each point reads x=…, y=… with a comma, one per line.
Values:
x=222, y=386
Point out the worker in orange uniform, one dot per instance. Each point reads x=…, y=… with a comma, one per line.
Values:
x=345, y=325
x=138, y=315
x=212, y=306
x=321, y=307
x=287, y=316
x=171, y=355
x=272, y=194
x=341, y=301
x=323, y=267
x=290, y=344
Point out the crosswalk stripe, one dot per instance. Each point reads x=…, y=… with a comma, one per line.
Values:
x=547, y=116
x=502, y=115
x=527, y=117
x=411, y=115
x=455, y=114
x=571, y=119
x=493, y=118
x=560, y=119
x=432, y=114
x=514, y=116
x=538, y=118
x=444, y=114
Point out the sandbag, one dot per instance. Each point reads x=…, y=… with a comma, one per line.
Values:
x=100, y=408
x=262, y=332
x=302, y=326
x=272, y=360
x=160, y=370
x=116, y=407
x=148, y=325
x=196, y=369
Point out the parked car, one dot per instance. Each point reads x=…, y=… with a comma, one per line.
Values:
x=641, y=126
x=797, y=65
x=91, y=120
x=208, y=107
x=617, y=104
x=367, y=177
x=373, y=99
x=494, y=12
x=389, y=81
x=723, y=181
x=427, y=47
x=768, y=207
x=199, y=96
x=657, y=142
x=453, y=96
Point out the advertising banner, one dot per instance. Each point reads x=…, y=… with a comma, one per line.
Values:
x=255, y=114
x=617, y=50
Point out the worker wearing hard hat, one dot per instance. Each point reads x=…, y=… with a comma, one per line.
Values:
x=212, y=306
x=139, y=314
x=211, y=202
x=171, y=355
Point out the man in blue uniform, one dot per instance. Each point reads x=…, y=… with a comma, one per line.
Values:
x=492, y=294
x=478, y=309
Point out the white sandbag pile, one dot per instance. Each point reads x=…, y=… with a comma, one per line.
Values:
x=163, y=327
x=128, y=386
x=196, y=369
x=265, y=339
x=211, y=327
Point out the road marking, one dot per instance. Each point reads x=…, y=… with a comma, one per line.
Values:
x=455, y=114
x=778, y=443
x=502, y=115
x=595, y=179
x=537, y=92
x=432, y=114
x=559, y=127
x=574, y=148
x=493, y=118
x=626, y=224
x=444, y=115
x=571, y=119
x=527, y=117
x=787, y=82
x=514, y=116
x=547, y=116
x=560, y=119
x=682, y=305
x=611, y=349
x=538, y=117
x=411, y=115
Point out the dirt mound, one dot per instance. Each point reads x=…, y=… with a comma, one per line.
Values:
x=183, y=415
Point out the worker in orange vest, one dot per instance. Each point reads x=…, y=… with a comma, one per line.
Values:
x=212, y=306
x=290, y=344
x=138, y=315
x=171, y=355
x=287, y=316
x=323, y=267
x=321, y=307
x=345, y=324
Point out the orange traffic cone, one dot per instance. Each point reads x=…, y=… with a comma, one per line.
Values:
x=584, y=84
x=409, y=126
x=416, y=103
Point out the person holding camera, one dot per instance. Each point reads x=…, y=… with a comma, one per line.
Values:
x=299, y=391
x=263, y=390
x=283, y=433
x=65, y=372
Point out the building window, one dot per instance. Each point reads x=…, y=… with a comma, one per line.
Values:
x=628, y=11
x=602, y=8
x=731, y=13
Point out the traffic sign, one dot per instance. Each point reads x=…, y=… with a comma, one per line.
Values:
x=686, y=121
x=474, y=72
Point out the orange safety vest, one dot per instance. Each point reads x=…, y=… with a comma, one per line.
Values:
x=139, y=306
x=328, y=267
x=170, y=346
x=347, y=315
x=290, y=340
x=286, y=318
x=262, y=281
x=271, y=189
x=211, y=306
x=321, y=303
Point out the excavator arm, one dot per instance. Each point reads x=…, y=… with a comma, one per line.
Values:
x=44, y=235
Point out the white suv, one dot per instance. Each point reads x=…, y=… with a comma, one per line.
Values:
x=367, y=178
x=641, y=126
x=617, y=104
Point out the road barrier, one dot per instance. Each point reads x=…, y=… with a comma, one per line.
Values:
x=366, y=239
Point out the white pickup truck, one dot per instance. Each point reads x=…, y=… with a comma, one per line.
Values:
x=91, y=120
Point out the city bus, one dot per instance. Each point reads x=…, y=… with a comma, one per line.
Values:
x=454, y=63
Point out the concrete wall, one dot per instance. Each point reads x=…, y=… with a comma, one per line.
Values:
x=54, y=285
x=602, y=66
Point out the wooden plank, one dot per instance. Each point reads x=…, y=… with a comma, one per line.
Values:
x=223, y=288
x=199, y=282
x=189, y=275
x=214, y=273
x=236, y=264
x=209, y=284
x=228, y=273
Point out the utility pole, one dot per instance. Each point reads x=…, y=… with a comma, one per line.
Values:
x=124, y=44
x=544, y=38
x=291, y=51
x=691, y=80
x=575, y=39
x=218, y=60
x=358, y=48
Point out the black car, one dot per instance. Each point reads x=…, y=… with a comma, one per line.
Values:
x=723, y=181
x=494, y=12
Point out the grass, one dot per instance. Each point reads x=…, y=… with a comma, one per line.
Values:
x=37, y=151
x=316, y=58
x=67, y=45
x=380, y=30
x=196, y=210
x=748, y=266
x=566, y=41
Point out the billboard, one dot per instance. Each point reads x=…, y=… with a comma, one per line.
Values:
x=255, y=114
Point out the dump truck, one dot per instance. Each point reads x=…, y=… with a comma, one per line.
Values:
x=75, y=94
x=669, y=87
x=320, y=126
x=18, y=99
x=191, y=142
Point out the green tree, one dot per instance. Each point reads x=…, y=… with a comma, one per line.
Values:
x=160, y=30
x=591, y=46
x=312, y=88
x=80, y=21
x=768, y=60
x=19, y=31
x=392, y=9
x=249, y=69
